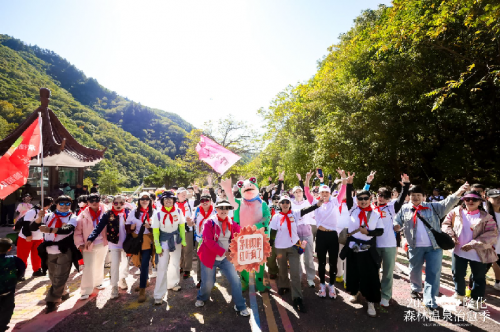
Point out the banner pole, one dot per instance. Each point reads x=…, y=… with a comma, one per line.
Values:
x=41, y=157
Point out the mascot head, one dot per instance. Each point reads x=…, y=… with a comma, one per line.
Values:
x=248, y=189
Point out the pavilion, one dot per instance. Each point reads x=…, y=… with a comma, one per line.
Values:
x=64, y=159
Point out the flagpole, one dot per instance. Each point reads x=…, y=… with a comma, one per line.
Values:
x=41, y=157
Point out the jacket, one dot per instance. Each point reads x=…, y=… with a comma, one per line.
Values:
x=484, y=234
x=210, y=248
x=112, y=225
x=85, y=227
x=432, y=215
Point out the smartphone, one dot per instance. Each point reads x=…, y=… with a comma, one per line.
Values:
x=320, y=172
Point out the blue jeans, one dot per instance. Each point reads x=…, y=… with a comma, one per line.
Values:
x=208, y=279
x=478, y=269
x=433, y=259
x=145, y=257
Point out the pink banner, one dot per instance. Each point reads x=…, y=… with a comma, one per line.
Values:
x=220, y=158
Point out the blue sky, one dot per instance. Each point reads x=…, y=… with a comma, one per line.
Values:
x=201, y=59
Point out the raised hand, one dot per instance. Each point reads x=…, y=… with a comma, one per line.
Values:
x=282, y=176
x=319, y=177
x=196, y=189
x=308, y=177
x=270, y=179
x=350, y=177
x=405, y=178
x=370, y=177
x=299, y=177
x=209, y=179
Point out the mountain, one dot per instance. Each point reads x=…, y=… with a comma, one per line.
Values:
x=137, y=137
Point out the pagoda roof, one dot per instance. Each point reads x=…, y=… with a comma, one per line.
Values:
x=60, y=148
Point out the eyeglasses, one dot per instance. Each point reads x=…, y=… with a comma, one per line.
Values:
x=383, y=196
x=468, y=199
x=64, y=203
x=118, y=203
x=285, y=202
x=94, y=200
x=204, y=200
x=364, y=198
x=144, y=199
x=224, y=208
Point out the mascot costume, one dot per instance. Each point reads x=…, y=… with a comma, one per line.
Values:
x=249, y=210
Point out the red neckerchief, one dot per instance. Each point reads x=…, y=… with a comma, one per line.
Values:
x=362, y=215
x=169, y=214
x=225, y=224
x=341, y=204
x=58, y=224
x=205, y=215
x=181, y=206
x=80, y=211
x=117, y=213
x=288, y=221
x=95, y=215
x=417, y=208
x=380, y=206
x=473, y=212
x=273, y=212
x=145, y=215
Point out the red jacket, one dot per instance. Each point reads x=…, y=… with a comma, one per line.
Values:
x=210, y=248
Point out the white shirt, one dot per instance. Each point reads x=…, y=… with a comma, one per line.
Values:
x=31, y=216
x=132, y=220
x=198, y=225
x=168, y=227
x=283, y=239
x=353, y=224
x=468, y=220
x=388, y=239
x=223, y=240
x=47, y=220
x=422, y=239
x=327, y=214
x=187, y=212
x=307, y=219
x=22, y=208
x=497, y=247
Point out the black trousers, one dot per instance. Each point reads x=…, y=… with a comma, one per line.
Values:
x=8, y=212
x=327, y=242
x=6, y=310
x=362, y=275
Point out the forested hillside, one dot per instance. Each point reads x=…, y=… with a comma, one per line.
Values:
x=165, y=131
x=412, y=88
x=22, y=73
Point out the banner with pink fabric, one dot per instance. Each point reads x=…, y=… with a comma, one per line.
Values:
x=217, y=156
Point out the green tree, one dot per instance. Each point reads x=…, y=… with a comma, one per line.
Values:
x=110, y=180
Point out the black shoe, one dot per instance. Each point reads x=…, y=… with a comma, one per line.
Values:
x=21, y=279
x=299, y=305
x=51, y=306
x=198, y=285
x=273, y=276
x=282, y=291
x=415, y=295
x=39, y=273
x=65, y=297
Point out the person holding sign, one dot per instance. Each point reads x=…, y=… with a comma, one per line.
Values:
x=218, y=232
x=287, y=243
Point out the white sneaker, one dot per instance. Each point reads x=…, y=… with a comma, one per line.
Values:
x=331, y=292
x=199, y=303
x=176, y=288
x=384, y=302
x=371, y=310
x=158, y=301
x=497, y=286
x=243, y=312
x=101, y=286
x=123, y=284
x=84, y=297
x=322, y=290
x=311, y=283
x=114, y=292
x=354, y=298
x=154, y=273
x=474, y=305
x=138, y=272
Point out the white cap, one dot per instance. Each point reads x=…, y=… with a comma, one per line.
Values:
x=324, y=188
x=181, y=190
x=296, y=188
x=284, y=198
x=144, y=193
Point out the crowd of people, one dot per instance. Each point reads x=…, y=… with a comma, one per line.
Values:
x=356, y=232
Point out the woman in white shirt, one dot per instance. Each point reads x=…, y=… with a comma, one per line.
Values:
x=474, y=232
x=493, y=207
x=169, y=233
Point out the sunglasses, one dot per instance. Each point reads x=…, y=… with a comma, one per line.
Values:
x=118, y=203
x=64, y=203
x=468, y=199
x=364, y=198
x=94, y=200
x=383, y=196
x=144, y=199
x=224, y=208
x=204, y=200
x=285, y=202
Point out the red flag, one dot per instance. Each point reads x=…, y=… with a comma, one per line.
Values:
x=215, y=155
x=14, y=164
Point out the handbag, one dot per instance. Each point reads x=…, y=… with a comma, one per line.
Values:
x=132, y=245
x=344, y=234
x=443, y=240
